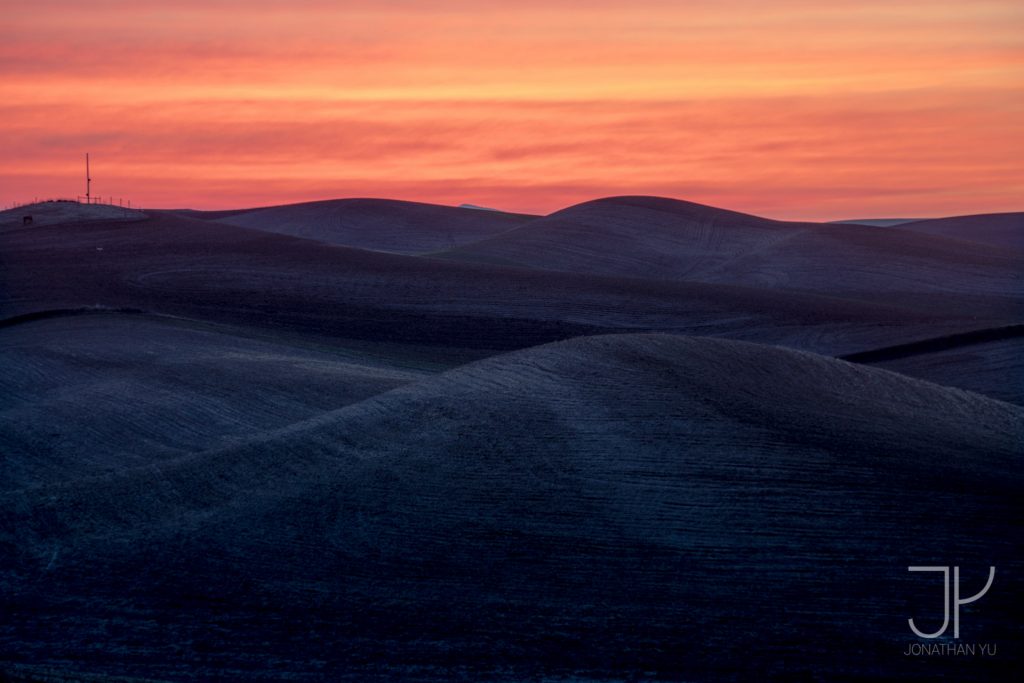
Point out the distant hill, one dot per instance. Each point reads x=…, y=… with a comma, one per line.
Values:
x=879, y=222
x=478, y=208
x=378, y=224
x=181, y=266
x=64, y=211
x=657, y=238
x=998, y=229
x=632, y=236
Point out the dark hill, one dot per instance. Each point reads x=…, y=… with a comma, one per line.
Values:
x=378, y=224
x=701, y=509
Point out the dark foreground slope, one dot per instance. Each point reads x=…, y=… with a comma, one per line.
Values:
x=607, y=508
x=96, y=392
x=378, y=224
x=653, y=237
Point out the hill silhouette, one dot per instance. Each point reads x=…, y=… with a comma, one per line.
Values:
x=378, y=224
x=652, y=237
x=998, y=229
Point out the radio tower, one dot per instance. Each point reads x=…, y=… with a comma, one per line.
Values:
x=88, y=180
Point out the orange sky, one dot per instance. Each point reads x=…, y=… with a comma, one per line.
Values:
x=789, y=108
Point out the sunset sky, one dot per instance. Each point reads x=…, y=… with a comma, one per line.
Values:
x=789, y=108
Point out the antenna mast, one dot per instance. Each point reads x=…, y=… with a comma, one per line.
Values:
x=88, y=180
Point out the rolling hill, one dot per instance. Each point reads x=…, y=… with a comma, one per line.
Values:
x=591, y=446
x=992, y=366
x=630, y=236
x=673, y=499
x=55, y=212
x=652, y=237
x=378, y=224
x=95, y=392
x=997, y=229
x=180, y=266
